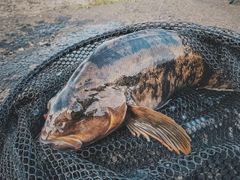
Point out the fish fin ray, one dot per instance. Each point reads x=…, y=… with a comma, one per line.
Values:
x=160, y=127
x=137, y=132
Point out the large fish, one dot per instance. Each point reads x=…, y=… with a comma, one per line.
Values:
x=122, y=82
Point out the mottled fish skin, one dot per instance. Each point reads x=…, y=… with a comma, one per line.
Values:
x=147, y=66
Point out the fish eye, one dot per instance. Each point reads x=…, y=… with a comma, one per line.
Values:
x=76, y=111
x=76, y=115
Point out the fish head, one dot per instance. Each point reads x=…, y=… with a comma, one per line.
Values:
x=81, y=123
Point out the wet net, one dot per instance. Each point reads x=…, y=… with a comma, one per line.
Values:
x=211, y=118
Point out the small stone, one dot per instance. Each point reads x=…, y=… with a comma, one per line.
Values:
x=32, y=66
x=21, y=49
x=15, y=60
x=44, y=43
x=4, y=94
x=13, y=78
x=30, y=44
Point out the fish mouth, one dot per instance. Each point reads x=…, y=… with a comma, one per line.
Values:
x=63, y=143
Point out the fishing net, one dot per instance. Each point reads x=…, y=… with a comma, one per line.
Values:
x=211, y=118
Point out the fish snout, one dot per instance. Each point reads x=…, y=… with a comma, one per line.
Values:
x=52, y=127
x=46, y=132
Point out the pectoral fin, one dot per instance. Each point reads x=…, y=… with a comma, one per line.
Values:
x=117, y=116
x=159, y=126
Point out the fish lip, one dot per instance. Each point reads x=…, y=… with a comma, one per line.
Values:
x=63, y=145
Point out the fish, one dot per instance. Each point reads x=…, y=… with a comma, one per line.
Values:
x=123, y=82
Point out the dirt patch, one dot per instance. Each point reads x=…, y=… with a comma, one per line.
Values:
x=33, y=30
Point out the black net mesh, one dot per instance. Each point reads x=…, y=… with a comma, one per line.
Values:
x=211, y=118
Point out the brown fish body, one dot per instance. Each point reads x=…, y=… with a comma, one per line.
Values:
x=135, y=72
